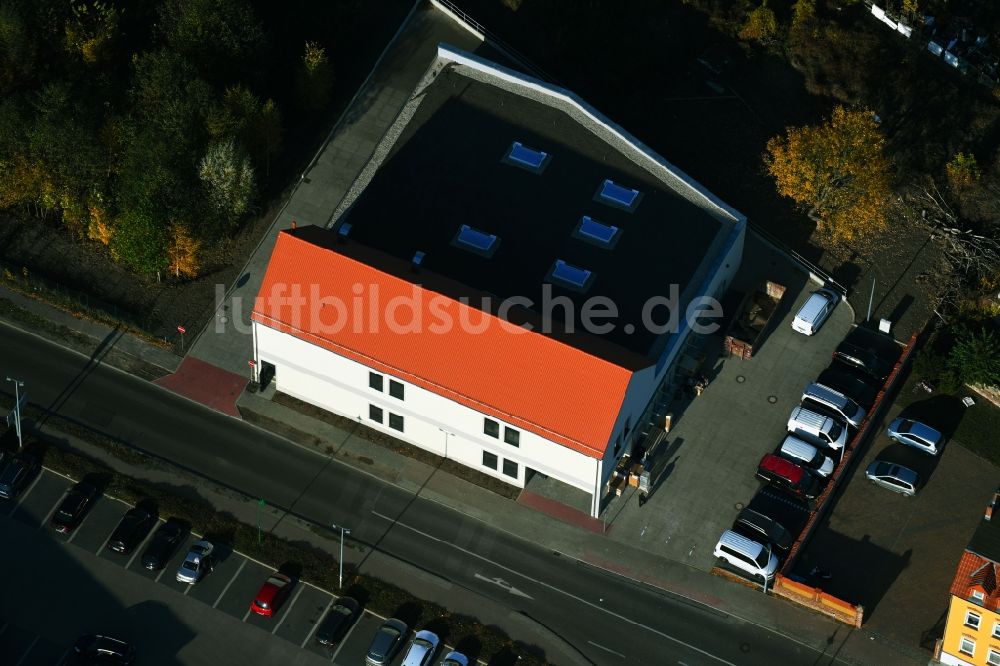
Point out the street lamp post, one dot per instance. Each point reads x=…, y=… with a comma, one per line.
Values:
x=18, y=385
x=340, y=576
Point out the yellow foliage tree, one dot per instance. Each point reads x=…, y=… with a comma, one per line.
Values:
x=761, y=25
x=25, y=181
x=837, y=171
x=962, y=170
x=804, y=22
x=183, y=252
x=99, y=226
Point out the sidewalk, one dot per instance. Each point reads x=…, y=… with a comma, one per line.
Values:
x=517, y=519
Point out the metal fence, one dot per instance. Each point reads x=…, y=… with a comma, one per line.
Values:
x=828, y=279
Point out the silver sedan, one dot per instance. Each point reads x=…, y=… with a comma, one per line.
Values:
x=891, y=476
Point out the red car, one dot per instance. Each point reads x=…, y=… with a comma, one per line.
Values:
x=272, y=594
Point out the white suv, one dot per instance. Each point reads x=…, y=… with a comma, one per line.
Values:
x=750, y=556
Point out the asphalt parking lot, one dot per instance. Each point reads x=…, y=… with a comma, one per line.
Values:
x=72, y=585
x=710, y=456
x=896, y=555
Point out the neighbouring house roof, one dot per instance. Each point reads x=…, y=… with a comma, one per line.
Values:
x=978, y=566
x=533, y=381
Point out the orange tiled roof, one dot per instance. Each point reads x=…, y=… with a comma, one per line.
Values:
x=524, y=378
x=976, y=571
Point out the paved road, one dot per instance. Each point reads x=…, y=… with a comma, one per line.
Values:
x=609, y=619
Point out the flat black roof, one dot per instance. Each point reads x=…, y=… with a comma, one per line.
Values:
x=447, y=169
x=986, y=539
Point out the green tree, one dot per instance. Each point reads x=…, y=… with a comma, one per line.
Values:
x=139, y=241
x=17, y=48
x=228, y=179
x=314, y=79
x=92, y=30
x=962, y=171
x=837, y=171
x=761, y=25
x=221, y=37
x=266, y=134
x=976, y=356
x=171, y=99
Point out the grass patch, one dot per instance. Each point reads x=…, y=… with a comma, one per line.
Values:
x=386, y=441
x=18, y=315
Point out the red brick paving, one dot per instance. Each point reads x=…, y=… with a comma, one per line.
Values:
x=562, y=512
x=208, y=384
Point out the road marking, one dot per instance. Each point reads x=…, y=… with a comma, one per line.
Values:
x=288, y=609
x=142, y=543
x=27, y=652
x=563, y=592
x=246, y=615
x=320, y=620
x=62, y=659
x=21, y=497
x=505, y=585
x=617, y=654
x=350, y=631
x=162, y=571
x=226, y=588
x=52, y=511
x=104, y=545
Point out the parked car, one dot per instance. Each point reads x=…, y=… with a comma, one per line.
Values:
x=131, y=530
x=891, y=476
x=823, y=430
x=455, y=658
x=815, y=311
x=337, y=621
x=73, y=507
x=856, y=388
x=96, y=649
x=788, y=476
x=864, y=360
x=755, y=525
x=830, y=398
x=15, y=476
x=790, y=511
x=422, y=649
x=164, y=543
x=199, y=561
x=747, y=555
x=272, y=594
x=386, y=642
x=916, y=434
x=806, y=455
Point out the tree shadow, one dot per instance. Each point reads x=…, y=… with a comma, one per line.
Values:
x=942, y=412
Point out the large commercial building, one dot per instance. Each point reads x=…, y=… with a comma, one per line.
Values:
x=506, y=283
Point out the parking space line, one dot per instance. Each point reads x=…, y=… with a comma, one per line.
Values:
x=162, y=570
x=350, y=631
x=76, y=530
x=27, y=652
x=318, y=622
x=288, y=609
x=104, y=544
x=142, y=543
x=65, y=655
x=246, y=615
x=21, y=497
x=48, y=516
x=226, y=588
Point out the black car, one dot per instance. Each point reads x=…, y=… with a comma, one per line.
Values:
x=96, y=649
x=73, y=507
x=337, y=621
x=14, y=477
x=864, y=360
x=854, y=387
x=164, y=543
x=134, y=525
x=763, y=529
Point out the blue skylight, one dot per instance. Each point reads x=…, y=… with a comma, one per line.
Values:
x=475, y=239
x=618, y=195
x=529, y=158
x=571, y=275
x=596, y=231
x=345, y=229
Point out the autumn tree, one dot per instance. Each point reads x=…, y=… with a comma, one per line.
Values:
x=228, y=179
x=17, y=47
x=761, y=25
x=314, y=79
x=91, y=29
x=183, y=253
x=243, y=117
x=805, y=25
x=962, y=171
x=837, y=171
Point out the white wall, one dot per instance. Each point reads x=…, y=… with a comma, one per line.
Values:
x=340, y=385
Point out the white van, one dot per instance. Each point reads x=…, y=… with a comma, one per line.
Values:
x=806, y=455
x=815, y=310
x=747, y=555
x=817, y=429
x=852, y=412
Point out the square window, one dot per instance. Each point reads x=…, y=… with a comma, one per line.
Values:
x=977, y=595
x=510, y=468
x=490, y=460
x=375, y=413
x=396, y=389
x=618, y=195
x=491, y=428
x=511, y=436
x=993, y=658
x=967, y=646
x=996, y=630
x=972, y=619
x=396, y=422
x=375, y=381
x=527, y=158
